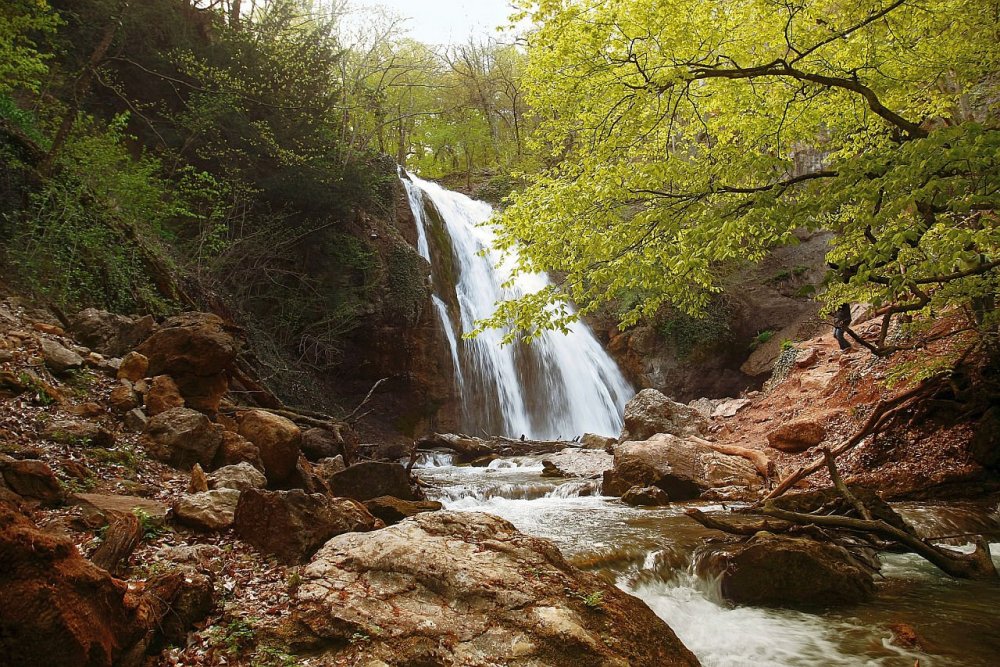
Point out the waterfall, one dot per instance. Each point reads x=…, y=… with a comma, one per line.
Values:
x=560, y=385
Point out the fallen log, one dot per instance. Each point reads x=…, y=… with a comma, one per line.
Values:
x=747, y=525
x=470, y=447
x=763, y=464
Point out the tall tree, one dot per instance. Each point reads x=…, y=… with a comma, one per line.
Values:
x=685, y=134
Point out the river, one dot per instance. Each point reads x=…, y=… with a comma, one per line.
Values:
x=647, y=552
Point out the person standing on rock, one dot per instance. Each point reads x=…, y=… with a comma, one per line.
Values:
x=842, y=320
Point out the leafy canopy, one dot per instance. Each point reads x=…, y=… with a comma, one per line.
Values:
x=682, y=136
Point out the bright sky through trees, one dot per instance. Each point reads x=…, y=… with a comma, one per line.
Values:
x=449, y=21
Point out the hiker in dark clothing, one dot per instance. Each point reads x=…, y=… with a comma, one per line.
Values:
x=842, y=320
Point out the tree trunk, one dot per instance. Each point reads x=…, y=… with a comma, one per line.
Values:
x=121, y=539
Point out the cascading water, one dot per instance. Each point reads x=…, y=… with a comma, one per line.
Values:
x=559, y=385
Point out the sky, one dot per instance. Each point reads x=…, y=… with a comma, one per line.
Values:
x=448, y=21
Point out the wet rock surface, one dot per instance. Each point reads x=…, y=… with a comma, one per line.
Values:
x=780, y=571
x=650, y=412
x=454, y=592
x=393, y=510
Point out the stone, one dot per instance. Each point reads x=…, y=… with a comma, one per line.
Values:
x=58, y=358
x=467, y=588
x=594, y=441
x=728, y=407
x=47, y=328
x=181, y=598
x=807, y=357
x=797, y=436
x=704, y=406
x=645, y=496
x=393, y=510
x=209, y=510
x=32, y=479
x=684, y=468
x=204, y=557
x=58, y=609
x=237, y=449
x=110, y=334
x=371, y=479
x=199, y=482
x=72, y=432
x=5, y=356
x=136, y=420
x=196, y=350
x=650, y=412
x=122, y=399
x=321, y=443
x=89, y=409
x=133, y=367
x=278, y=440
x=163, y=395
x=108, y=506
x=324, y=468
x=583, y=463
x=241, y=476
x=292, y=525
x=780, y=571
x=182, y=437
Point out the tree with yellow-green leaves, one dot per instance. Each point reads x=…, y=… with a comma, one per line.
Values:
x=682, y=136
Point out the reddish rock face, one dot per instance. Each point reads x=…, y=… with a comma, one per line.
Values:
x=278, y=439
x=292, y=525
x=182, y=437
x=237, y=449
x=196, y=350
x=56, y=607
x=133, y=367
x=31, y=479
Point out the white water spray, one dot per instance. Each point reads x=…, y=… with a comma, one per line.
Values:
x=559, y=385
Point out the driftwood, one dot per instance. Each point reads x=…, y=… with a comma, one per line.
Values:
x=750, y=526
x=121, y=538
x=469, y=447
x=760, y=460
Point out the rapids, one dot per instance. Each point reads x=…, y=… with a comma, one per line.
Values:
x=647, y=552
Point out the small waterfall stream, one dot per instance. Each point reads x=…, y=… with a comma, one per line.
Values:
x=647, y=552
x=559, y=385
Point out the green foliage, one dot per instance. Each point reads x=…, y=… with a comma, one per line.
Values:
x=81, y=242
x=24, y=27
x=680, y=137
x=150, y=528
x=406, y=283
x=687, y=332
x=761, y=338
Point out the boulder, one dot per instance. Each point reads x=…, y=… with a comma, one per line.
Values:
x=100, y=509
x=72, y=432
x=728, y=407
x=207, y=510
x=237, y=449
x=684, y=468
x=89, y=409
x=199, y=482
x=584, y=463
x=58, y=358
x=650, y=412
x=32, y=479
x=797, y=436
x=57, y=608
x=393, y=510
x=204, y=557
x=321, y=443
x=807, y=357
x=648, y=496
x=452, y=588
x=593, y=441
x=163, y=395
x=122, y=399
x=180, y=598
x=108, y=333
x=292, y=525
x=182, y=437
x=371, y=479
x=278, y=439
x=136, y=420
x=240, y=476
x=196, y=350
x=780, y=571
x=133, y=367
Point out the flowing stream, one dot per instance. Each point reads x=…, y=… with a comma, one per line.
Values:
x=559, y=386
x=647, y=552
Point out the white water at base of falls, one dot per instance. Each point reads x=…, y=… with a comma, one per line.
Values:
x=559, y=386
x=648, y=553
